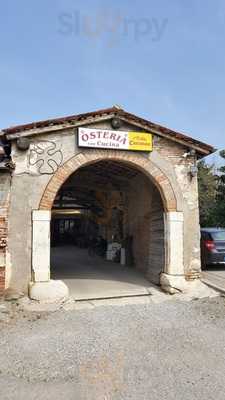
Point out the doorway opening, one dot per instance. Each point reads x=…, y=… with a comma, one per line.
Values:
x=107, y=232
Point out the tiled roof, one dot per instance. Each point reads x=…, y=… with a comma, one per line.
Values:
x=109, y=112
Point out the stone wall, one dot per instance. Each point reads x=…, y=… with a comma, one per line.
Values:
x=170, y=156
x=27, y=187
x=146, y=225
x=4, y=205
x=35, y=170
x=173, y=153
x=139, y=199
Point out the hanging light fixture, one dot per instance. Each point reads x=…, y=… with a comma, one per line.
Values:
x=23, y=143
x=116, y=123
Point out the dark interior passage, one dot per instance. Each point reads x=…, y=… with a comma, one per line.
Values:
x=107, y=218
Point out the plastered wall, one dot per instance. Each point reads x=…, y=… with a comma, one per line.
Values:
x=35, y=167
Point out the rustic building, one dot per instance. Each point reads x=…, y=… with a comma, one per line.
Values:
x=105, y=182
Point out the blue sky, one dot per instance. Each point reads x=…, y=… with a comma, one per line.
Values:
x=163, y=60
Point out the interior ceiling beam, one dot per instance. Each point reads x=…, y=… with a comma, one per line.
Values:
x=103, y=179
x=104, y=176
x=104, y=187
x=85, y=198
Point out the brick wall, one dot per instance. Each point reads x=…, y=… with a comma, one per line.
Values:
x=3, y=241
x=2, y=280
x=89, y=156
x=4, y=203
x=169, y=149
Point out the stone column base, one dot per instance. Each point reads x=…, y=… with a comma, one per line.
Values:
x=173, y=283
x=50, y=291
x=192, y=275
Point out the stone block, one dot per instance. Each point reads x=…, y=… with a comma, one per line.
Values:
x=50, y=291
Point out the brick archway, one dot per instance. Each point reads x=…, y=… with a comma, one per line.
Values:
x=172, y=278
x=88, y=157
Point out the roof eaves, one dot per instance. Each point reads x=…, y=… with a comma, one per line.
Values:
x=52, y=127
x=58, y=121
x=170, y=134
x=81, y=119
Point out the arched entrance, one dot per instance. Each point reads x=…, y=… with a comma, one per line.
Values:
x=151, y=220
x=107, y=231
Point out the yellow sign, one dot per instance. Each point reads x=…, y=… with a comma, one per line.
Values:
x=141, y=141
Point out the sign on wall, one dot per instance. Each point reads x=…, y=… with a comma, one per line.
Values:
x=118, y=140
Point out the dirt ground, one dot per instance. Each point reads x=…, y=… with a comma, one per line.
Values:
x=134, y=349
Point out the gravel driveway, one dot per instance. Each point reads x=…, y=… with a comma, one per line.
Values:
x=173, y=350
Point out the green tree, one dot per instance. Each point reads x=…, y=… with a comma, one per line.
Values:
x=219, y=213
x=207, y=185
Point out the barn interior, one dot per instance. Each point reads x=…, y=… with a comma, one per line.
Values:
x=107, y=232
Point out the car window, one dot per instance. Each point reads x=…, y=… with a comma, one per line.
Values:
x=219, y=235
x=206, y=236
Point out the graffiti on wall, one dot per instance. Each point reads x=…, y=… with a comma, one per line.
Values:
x=45, y=157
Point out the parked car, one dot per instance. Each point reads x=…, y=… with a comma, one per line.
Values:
x=212, y=246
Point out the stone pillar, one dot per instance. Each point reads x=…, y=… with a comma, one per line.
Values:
x=41, y=245
x=42, y=288
x=172, y=279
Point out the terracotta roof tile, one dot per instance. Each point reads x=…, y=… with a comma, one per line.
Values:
x=111, y=111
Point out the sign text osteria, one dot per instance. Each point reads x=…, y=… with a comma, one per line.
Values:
x=118, y=140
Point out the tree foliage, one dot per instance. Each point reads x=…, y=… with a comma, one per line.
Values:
x=207, y=184
x=212, y=193
x=220, y=194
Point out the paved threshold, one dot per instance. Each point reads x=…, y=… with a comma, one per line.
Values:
x=215, y=278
